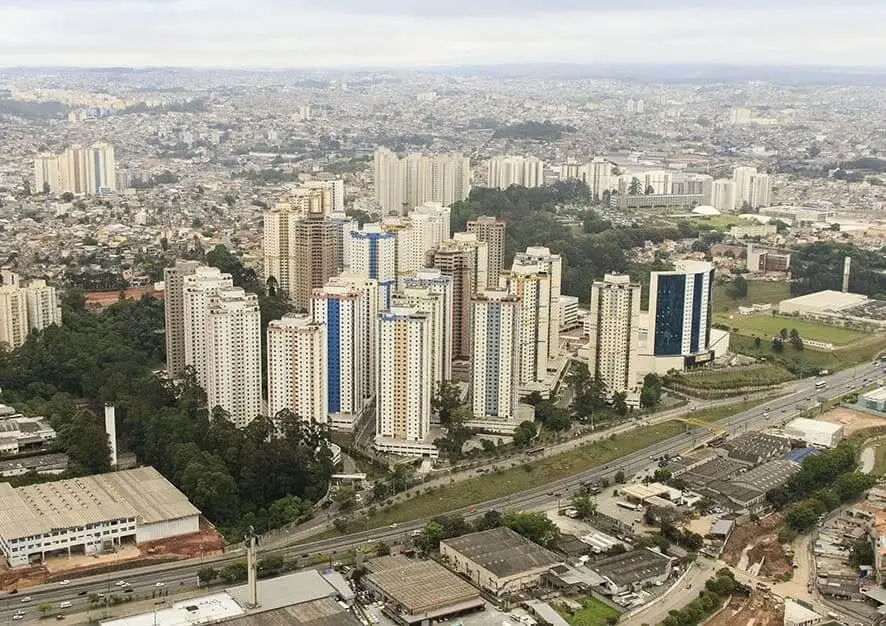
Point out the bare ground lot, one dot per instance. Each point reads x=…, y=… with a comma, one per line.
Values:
x=758, y=610
x=852, y=421
x=755, y=548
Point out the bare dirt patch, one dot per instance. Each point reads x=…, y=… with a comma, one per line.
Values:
x=851, y=420
x=754, y=548
x=204, y=543
x=21, y=577
x=759, y=610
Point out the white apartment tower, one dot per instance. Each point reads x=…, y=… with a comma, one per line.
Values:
x=504, y=171
x=743, y=177
x=760, y=191
x=174, y=312
x=540, y=259
x=13, y=317
x=297, y=370
x=89, y=170
x=416, y=178
x=495, y=361
x=613, y=332
x=437, y=283
x=336, y=189
x=534, y=291
x=197, y=291
x=44, y=309
x=233, y=355
x=723, y=195
x=404, y=382
x=47, y=174
x=433, y=304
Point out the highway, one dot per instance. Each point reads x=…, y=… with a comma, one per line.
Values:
x=180, y=575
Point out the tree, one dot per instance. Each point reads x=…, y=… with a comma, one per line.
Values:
x=802, y=518
x=584, y=506
x=67, y=196
x=619, y=477
x=206, y=575
x=757, y=343
x=635, y=187
x=783, y=334
x=619, y=403
x=524, y=434
x=777, y=345
x=650, y=393
x=738, y=288
x=862, y=553
x=650, y=190
x=86, y=442
x=44, y=607
x=428, y=540
x=382, y=549
x=446, y=399
x=536, y=527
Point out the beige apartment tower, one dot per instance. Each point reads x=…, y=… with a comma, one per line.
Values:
x=614, y=321
x=492, y=232
x=13, y=317
x=174, y=312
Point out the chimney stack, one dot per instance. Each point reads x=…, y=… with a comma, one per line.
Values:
x=847, y=261
x=251, y=569
x=111, y=430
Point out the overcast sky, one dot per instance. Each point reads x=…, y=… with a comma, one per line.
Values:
x=423, y=33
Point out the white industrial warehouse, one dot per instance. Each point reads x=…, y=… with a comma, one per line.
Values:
x=815, y=433
x=90, y=514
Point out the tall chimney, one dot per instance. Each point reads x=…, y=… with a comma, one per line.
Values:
x=111, y=430
x=847, y=261
x=251, y=570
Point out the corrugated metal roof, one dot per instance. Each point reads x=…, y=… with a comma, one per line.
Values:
x=143, y=494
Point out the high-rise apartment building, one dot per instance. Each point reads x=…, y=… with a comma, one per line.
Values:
x=91, y=170
x=723, y=195
x=343, y=227
x=534, y=291
x=436, y=282
x=504, y=171
x=297, y=370
x=680, y=309
x=492, y=232
x=300, y=251
x=174, y=311
x=404, y=382
x=411, y=181
x=433, y=304
x=197, y=291
x=495, y=360
x=44, y=309
x=340, y=307
x=539, y=259
x=47, y=174
x=233, y=355
x=336, y=189
x=752, y=188
x=310, y=198
x=613, y=332
x=14, y=326
x=372, y=253
x=466, y=261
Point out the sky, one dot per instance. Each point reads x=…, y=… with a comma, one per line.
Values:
x=425, y=33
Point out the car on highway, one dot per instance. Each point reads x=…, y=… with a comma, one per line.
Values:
x=65, y=605
x=120, y=583
x=160, y=584
x=64, y=582
x=17, y=617
x=83, y=593
x=128, y=590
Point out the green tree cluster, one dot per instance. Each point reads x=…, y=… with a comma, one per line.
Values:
x=650, y=393
x=538, y=131
x=536, y=527
x=710, y=599
x=819, y=266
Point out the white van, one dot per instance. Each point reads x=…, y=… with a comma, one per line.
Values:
x=65, y=605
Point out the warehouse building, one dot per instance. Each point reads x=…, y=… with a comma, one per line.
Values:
x=498, y=560
x=633, y=570
x=419, y=592
x=748, y=490
x=814, y=432
x=821, y=303
x=90, y=514
x=874, y=400
x=754, y=448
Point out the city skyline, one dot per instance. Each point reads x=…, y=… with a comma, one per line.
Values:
x=197, y=33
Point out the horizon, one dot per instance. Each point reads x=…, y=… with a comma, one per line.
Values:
x=395, y=34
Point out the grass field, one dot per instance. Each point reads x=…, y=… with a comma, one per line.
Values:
x=716, y=222
x=758, y=376
x=506, y=482
x=767, y=326
x=798, y=361
x=759, y=292
x=593, y=613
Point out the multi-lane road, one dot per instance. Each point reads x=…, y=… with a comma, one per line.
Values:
x=183, y=574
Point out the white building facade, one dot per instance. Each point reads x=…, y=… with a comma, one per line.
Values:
x=297, y=370
x=495, y=360
x=613, y=332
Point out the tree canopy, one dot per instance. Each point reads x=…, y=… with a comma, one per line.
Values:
x=819, y=266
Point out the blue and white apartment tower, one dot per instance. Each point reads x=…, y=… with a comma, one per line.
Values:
x=680, y=312
x=372, y=253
